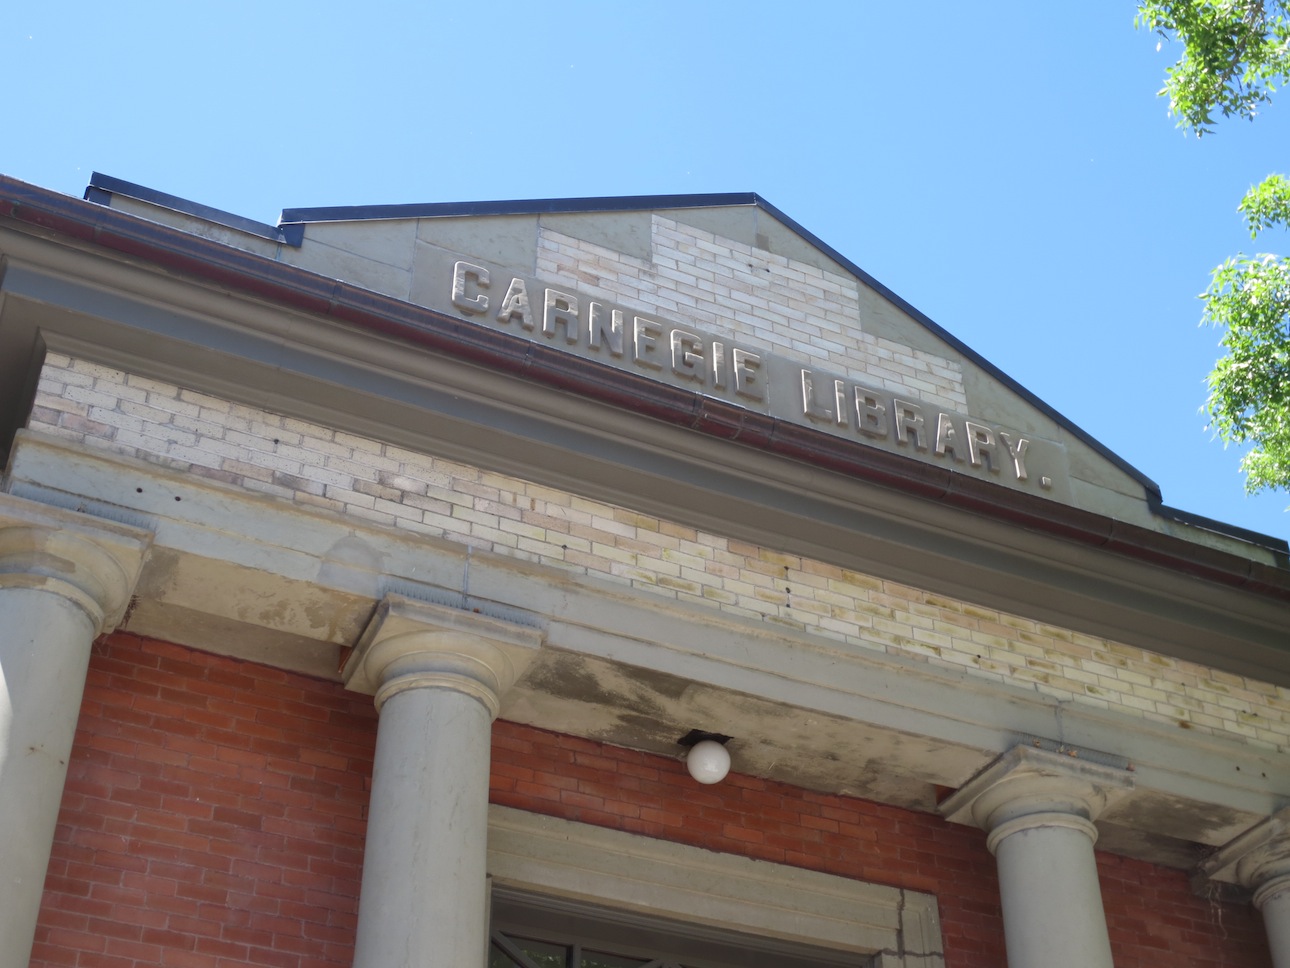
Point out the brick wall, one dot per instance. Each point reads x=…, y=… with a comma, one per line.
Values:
x=788, y=306
x=214, y=817
x=1154, y=919
x=382, y=485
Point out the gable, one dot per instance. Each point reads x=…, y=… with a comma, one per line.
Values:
x=734, y=301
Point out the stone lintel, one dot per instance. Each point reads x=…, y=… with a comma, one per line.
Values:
x=93, y=562
x=1258, y=860
x=411, y=644
x=1028, y=787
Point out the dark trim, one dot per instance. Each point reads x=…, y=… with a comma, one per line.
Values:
x=503, y=352
x=531, y=206
x=568, y=922
x=103, y=187
x=1221, y=527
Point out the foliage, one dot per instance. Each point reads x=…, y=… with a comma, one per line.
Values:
x=1266, y=204
x=1235, y=54
x=1249, y=389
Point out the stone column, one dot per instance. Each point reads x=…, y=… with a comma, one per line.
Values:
x=1037, y=809
x=1259, y=860
x=65, y=578
x=438, y=675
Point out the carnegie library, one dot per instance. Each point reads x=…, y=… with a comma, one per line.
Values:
x=592, y=583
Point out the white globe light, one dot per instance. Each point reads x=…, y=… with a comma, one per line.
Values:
x=708, y=761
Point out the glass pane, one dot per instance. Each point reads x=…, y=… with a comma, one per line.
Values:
x=543, y=953
x=497, y=958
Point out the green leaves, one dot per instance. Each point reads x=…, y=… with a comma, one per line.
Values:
x=1235, y=54
x=1267, y=204
x=1249, y=389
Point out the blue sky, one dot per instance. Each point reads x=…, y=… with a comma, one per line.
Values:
x=1005, y=167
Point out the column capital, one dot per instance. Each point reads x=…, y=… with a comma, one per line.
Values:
x=1258, y=860
x=92, y=562
x=1026, y=788
x=411, y=644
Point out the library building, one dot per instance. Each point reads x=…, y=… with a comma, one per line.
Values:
x=592, y=583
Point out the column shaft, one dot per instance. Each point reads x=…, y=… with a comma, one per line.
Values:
x=1276, y=921
x=1038, y=808
x=64, y=578
x=1259, y=860
x=423, y=901
x=44, y=652
x=438, y=675
x=1052, y=904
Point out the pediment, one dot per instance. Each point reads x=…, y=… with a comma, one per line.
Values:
x=727, y=297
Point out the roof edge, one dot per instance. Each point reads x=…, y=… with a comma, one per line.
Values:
x=103, y=187
x=174, y=248
x=531, y=206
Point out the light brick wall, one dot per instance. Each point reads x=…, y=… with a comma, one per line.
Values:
x=734, y=290
x=322, y=468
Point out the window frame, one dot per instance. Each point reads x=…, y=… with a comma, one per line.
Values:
x=578, y=869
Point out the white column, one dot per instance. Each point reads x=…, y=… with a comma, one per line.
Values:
x=1037, y=809
x=64, y=579
x=438, y=675
x=1259, y=860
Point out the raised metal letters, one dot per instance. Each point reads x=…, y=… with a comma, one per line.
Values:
x=600, y=333
x=561, y=309
x=687, y=355
x=747, y=367
x=516, y=303
x=684, y=356
x=645, y=342
x=462, y=273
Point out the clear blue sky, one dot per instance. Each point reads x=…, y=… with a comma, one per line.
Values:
x=1005, y=166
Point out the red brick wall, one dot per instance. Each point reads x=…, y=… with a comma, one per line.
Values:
x=214, y=816
x=1154, y=919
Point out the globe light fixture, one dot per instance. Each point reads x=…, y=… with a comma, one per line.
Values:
x=708, y=761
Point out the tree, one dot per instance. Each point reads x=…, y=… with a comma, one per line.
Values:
x=1235, y=54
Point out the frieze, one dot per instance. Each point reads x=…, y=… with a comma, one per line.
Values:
x=749, y=376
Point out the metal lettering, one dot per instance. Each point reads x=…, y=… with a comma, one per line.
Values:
x=946, y=437
x=461, y=272
x=981, y=446
x=871, y=413
x=833, y=404
x=910, y=425
x=561, y=308
x=810, y=406
x=687, y=355
x=747, y=367
x=597, y=331
x=1017, y=452
x=516, y=303
x=645, y=334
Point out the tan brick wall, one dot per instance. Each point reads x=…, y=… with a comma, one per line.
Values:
x=318, y=467
x=734, y=290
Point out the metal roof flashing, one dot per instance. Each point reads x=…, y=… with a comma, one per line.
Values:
x=102, y=187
